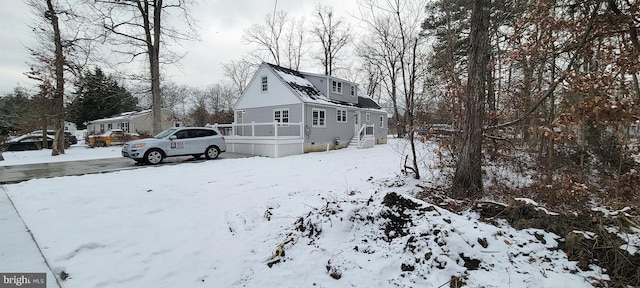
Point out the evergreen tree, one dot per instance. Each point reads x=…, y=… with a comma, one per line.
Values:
x=99, y=96
x=13, y=111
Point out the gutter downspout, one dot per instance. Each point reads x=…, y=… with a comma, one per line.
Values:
x=303, y=129
x=328, y=88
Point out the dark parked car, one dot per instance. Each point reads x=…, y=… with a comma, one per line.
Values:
x=72, y=139
x=28, y=142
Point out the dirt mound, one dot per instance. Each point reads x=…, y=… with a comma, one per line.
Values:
x=399, y=219
x=590, y=237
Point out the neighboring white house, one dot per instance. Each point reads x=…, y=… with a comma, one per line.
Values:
x=70, y=127
x=140, y=122
x=285, y=112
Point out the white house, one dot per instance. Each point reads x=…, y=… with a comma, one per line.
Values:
x=140, y=122
x=284, y=112
x=70, y=127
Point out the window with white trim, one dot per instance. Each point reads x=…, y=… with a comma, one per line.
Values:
x=265, y=83
x=281, y=116
x=381, y=121
x=341, y=116
x=336, y=87
x=239, y=116
x=318, y=117
x=368, y=117
x=353, y=90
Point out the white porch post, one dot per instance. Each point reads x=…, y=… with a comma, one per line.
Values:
x=253, y=129
x=301, y=130
x=275, y=128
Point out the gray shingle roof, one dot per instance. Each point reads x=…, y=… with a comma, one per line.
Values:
x=310, y=93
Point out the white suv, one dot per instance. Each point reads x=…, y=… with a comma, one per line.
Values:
x=177, y=141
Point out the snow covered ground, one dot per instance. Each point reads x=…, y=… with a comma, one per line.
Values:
x=326, y=219
x=78, y=151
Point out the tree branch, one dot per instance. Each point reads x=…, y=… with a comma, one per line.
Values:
x=555, y=83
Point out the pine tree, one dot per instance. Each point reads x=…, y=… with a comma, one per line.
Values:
x=99, y=96
x=13, y=111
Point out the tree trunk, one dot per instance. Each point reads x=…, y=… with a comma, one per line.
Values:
x=44, y=127
x=58, y=94
x=396, y=111
x=491, y=102
x=467, y=181
x=152, y=29
x=550, y=155
x=155, y=69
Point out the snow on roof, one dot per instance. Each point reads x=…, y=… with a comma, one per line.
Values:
x=300, y=84
x=310, y=94
x=123, y=116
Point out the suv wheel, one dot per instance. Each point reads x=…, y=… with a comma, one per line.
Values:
x=153, y=156
x=212, y=152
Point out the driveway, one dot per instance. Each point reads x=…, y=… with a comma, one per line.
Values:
x=19, y=173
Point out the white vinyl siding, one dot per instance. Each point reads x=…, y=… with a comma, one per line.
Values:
x=336, y=87
x=318, y=117
x=341, y=116
x=281, y=116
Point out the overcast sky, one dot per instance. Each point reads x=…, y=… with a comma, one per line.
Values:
x=221, y=23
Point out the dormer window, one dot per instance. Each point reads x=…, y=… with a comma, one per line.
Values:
x=336, y=87
x=353, y=91
x=265, y=84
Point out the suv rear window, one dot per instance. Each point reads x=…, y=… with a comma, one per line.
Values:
x=204, y=133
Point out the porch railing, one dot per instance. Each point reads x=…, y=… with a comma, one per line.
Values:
x=365, y=134
x=264, y=130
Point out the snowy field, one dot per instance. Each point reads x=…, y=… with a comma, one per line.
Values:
x=315, y=220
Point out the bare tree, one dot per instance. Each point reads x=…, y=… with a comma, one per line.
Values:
x=380, y=50
x=49, y=57
x=332, y=34
x=239, y=72
x=267, y=36
x=398, y=47
x=280, y=37
x=373, y=77
x=294, y=43
x=221, y=97
x=138, y=28
x=176, y=97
